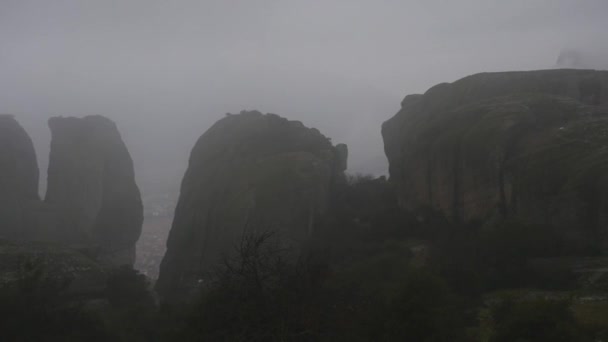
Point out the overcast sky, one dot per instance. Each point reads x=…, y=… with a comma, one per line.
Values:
x=166, y=70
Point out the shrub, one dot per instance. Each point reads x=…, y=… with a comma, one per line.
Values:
x=535, y=320
x=38, y=308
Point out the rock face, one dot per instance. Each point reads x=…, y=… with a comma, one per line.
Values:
x=533, y=145
x=91, y=185
x=18, y=176
x=249, y=172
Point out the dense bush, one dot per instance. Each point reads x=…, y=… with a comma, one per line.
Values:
x=370, y=273
x=132, y=314
x=37, y=308
x=536, y=320
x=263, y=294
x=260, y=294
x=425, y=310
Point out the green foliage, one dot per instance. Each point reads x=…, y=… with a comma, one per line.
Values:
x=474, y=259
x=508, y=247
x=378, y=273
x=363, y=213
x=424, y=310
x=383, y=275
x=261, y=294
x=37, y=308
x=132, y=314
x=535, y=320
x=593, y=317
x=127, y=287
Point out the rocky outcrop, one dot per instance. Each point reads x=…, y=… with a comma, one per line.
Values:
x=91, y=185
x=18, y=176
x=248, y=173
x=527, y=144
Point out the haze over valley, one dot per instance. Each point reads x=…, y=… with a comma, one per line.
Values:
x=304, y=170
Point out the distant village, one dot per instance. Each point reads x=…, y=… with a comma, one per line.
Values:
x=151, y=246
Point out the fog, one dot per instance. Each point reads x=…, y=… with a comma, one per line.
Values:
x=167, y=70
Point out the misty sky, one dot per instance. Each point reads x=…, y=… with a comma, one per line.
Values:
x=166, y=70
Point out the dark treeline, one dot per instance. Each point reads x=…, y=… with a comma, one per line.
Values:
x=375, y=273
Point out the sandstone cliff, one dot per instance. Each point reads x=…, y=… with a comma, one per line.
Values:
x=91, y=187
x=18, y=176
x=527, y=144
x=249, y=172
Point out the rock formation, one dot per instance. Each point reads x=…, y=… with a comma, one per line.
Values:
x=18, y=176
x=533, y=145
x=249, y=172
x=91, y=185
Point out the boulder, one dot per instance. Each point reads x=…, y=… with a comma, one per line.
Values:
x=531, y=145
x=249, y=173
x=91, y=187
x=18, y=176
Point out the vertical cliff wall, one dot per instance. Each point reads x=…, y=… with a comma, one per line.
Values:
x=249, y=172
x=526, y=144
x=91, y=184
x=18, y=176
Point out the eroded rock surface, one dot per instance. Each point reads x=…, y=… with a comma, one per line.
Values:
x=18, y=176
x=528, y=144
x=249, y=172
x=91, y=185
